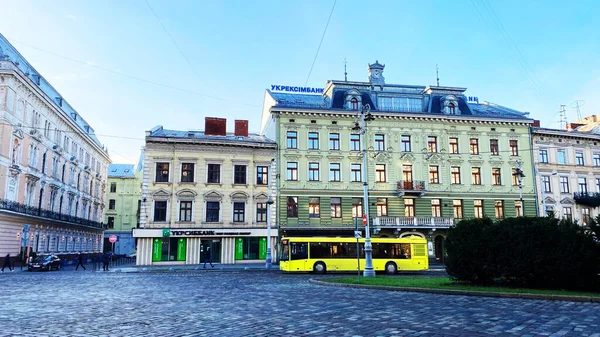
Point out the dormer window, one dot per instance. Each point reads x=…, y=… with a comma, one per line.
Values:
x=354, y=104
x=452, y=109
x=449, y=105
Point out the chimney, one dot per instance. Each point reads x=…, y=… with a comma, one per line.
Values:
x=215, y=126
x=536, y=123
x=241, y=128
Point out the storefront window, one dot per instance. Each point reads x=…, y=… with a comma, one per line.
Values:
x=169, y=249
x=250, y=248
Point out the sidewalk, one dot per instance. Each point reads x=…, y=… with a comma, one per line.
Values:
x=195, y=267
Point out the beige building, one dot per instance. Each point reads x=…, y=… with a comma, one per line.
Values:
x=52, y=166
x=568, y=169
x=205, y=190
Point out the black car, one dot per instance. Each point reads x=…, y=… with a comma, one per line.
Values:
x=44, y=262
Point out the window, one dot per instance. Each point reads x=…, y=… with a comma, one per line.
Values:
x=515, y=179
x=354, y=142
x=579, y=159
x=162, y=172
x=187, y=173
x=453, y=145
x=380, y=173
x=585, y=216
x=568, y=213
x=160, y=211
x=434, y=174
x=582, y=182
x=261, y=212
x=314, y=207
x=357, y=211
x=407, y=176
x=336, y=207
x=111, y=204
x=514, y=147
x=405, y=143
x=499, y=208
x=379, y=143
x=518, y=208
x=476, y=175
x=262, y=175
x=334, y=141
x=239, y=174
x=354, y=104
x=431, y=144
x=436, y=208
x=239, y=212
x=455, y=175
x=313, y=171
x=478, y=208
x=111, y=222
x=561, y=157
x=474, y=146
x=113, y=187
x=494, y=151
x=545, y=184
x=409, y=207
x=292, y=140
x=292, y=171
x=457, y=206
x=596, y=159
x=564, y=184
x=598, y=185
x=313, y=140
x=212, y=211
x=334, y=172
x=544, y=156
x=382, y=207
x=213, y=174
x=355, y=172
x=185, y=211
x=452, y=109
x=496, y=176
x=292, y=207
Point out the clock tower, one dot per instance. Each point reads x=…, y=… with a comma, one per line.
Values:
x=376, y=73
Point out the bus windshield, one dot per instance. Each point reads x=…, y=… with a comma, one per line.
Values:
x=285, y=250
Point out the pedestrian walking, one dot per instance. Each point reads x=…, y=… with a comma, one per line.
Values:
x=79, y=261
x=7, y=263
x=105, y=261
x=207, y=258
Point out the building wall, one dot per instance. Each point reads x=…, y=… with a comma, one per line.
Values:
x=125, y=215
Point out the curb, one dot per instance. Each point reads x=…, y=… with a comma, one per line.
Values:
x=193, y=270
x=464, y=292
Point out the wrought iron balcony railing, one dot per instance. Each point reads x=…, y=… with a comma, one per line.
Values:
x=412, y=221
x=411, y=186
x=587, y=199
x=16, y=207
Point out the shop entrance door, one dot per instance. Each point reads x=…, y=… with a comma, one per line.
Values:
x=215, y=250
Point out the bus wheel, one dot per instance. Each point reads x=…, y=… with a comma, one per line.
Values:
x=391, y=268
x=319, y=268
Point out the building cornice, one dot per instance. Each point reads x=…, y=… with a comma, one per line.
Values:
x=564, y=133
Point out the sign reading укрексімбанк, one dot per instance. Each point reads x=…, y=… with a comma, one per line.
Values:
x=288, y=88
x=206, y=233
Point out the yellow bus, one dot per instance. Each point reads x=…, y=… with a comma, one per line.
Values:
x=320, y=255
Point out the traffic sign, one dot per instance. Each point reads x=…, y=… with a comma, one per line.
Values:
x=31, y=236
x=364, y=219
x=112, y=238
x=357, y=234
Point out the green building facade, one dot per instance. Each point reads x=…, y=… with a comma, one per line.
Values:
x=434, y=156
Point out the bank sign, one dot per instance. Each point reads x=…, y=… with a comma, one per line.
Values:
x=306, y=90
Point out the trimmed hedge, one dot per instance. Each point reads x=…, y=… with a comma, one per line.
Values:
x=539, y=252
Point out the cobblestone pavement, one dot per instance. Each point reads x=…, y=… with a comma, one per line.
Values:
x=252, y=303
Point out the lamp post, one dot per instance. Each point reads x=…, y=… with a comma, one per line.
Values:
x=520, y=175
x=365, y=116
x=269, y=203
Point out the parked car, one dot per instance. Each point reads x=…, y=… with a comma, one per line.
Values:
x=44, y=262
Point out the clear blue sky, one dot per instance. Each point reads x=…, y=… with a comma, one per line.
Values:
x=238, y=48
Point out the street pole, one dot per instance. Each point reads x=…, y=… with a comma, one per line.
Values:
x=269, y=203
x=368, y=272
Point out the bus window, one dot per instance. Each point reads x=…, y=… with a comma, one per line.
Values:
x=299, y=250
x=352, y=250
x=382, y=250
x=285, y=251
x=401, y=251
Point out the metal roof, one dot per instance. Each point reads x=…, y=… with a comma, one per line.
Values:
x=121, y=171
x=159, y=132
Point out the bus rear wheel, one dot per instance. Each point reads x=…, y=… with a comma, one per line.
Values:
x=319, y=268
x=391, y=268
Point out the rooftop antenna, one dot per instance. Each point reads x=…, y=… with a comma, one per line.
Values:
x=437, y=75
x=345, y=72
x=562, y=117
x=576, y=105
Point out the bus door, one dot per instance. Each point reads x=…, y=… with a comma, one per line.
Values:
x=299, y=256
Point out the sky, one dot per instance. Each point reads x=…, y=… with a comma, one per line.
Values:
x=124, y=73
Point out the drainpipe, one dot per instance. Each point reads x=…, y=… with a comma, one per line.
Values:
x=534, y=171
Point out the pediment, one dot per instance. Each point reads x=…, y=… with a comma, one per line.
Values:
x=213, y=196
x=261, y=197
x=239, y=196
x=186, y=194
x=567, y=201
x=549, y=201
x=18, y=132
x=409, y=157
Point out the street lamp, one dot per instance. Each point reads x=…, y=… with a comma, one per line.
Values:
x=520, y=175
x=269, y=203
x=365, y=116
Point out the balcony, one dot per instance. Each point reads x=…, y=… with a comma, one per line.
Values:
x=398, y=222
x=587, y=199
x=412, y=187
x=34, y=212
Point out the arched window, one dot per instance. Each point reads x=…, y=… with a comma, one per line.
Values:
x=354, y=103
x=452, y=109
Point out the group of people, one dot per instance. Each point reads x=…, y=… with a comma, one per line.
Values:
x=106, y=258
